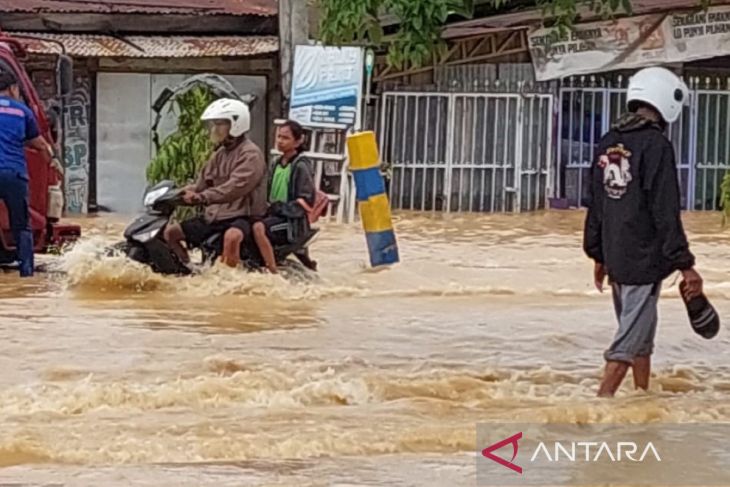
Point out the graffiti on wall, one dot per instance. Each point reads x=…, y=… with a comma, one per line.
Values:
x=76, y=151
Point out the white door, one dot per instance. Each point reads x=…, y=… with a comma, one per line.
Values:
x=122, y=140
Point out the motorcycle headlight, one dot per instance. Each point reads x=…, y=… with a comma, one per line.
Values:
x=146, y=236
x=150, y=198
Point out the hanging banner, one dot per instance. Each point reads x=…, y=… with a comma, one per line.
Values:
x=327, y=85
x=599, y=46
x=699, y=35
x=630, y=43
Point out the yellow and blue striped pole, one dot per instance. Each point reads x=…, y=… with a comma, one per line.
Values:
x=373, y=202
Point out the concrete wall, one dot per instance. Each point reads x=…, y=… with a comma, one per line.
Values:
x=293, y=31
x=77, y=142
x=77, y=127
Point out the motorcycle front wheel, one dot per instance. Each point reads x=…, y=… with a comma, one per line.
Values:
x=133, y=251
x=137, y=253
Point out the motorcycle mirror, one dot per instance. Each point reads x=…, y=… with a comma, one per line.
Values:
x=249, y=100
x=162, y=100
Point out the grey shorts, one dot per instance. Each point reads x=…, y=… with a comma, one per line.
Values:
x=637, y=313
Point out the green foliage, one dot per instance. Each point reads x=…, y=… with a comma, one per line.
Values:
x=419, y=34
x=184, y=152
x=418, y=40
x=725, y=198
x=564, y=12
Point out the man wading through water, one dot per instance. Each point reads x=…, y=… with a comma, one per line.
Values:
x=633, y=230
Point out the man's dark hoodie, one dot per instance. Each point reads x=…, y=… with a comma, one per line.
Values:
x=634, y=224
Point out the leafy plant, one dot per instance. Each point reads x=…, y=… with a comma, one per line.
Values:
x=418, y=39
x=725, y=197
x=183, y=153
x=419, y=34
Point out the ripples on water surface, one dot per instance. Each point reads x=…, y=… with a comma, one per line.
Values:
x=112, y=375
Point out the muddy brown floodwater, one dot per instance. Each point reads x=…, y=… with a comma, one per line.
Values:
x=113, y=376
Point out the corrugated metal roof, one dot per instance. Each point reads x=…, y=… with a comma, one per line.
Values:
x=267, y=8
x=148, y=46
x=527, y=18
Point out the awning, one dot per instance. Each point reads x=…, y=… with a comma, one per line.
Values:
x=267, y=8
x=81, y=45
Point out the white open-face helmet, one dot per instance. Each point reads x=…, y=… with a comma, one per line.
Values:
x=661, y=89
x=235, y=111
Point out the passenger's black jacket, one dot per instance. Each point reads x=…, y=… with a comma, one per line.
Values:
x=634, y=224
x=301, y=185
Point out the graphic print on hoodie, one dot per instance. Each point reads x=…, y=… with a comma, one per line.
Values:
x=616, y=171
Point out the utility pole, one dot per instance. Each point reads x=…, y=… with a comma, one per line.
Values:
x=293, y=30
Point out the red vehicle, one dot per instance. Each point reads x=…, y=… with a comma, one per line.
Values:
x=48, y=232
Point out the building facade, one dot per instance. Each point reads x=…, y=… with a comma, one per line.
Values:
x=124, y=56
x=478, y=131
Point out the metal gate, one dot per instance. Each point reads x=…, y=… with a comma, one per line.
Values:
x=710, y=142
x=701, y=137
x=467, y=151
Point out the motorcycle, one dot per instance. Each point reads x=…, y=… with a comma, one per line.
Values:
x=145, y=242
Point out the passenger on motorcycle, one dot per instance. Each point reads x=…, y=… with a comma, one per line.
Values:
x=290, y=184
x=231, y=186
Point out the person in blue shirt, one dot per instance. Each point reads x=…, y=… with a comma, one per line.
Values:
x=18, y=128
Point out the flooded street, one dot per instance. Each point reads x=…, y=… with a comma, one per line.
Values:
x=114, y=376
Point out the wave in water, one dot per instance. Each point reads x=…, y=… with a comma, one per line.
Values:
x=294, y=385
x=238, y=411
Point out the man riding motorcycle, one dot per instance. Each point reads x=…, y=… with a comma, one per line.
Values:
x=232, y=186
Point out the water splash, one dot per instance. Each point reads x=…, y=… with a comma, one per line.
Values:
x=89, y=267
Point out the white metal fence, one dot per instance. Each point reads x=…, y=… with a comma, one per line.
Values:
x=467, y=151
x=497, y=152
x=589, y=105
x=709, y=149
